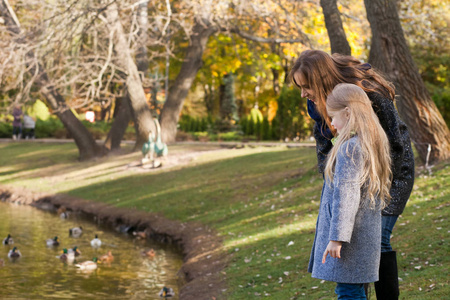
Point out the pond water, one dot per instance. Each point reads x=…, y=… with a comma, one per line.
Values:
x=40, y=274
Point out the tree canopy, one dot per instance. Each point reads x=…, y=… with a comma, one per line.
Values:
x=185, y=50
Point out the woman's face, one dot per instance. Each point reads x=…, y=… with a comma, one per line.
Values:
x=307, y=92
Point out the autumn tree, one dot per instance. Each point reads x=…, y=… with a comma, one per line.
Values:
x=22, y=49
x=135, y=91
x=390, y=53
x=242, y=29
x=89, y=48
x=178, y=91
x=123, y=104
x=335, y=29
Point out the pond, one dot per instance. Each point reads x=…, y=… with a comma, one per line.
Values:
x=40, y=274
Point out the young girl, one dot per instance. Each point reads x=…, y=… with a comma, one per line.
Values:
x=347, y=245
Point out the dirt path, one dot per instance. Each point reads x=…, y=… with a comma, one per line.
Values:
x=204, y=261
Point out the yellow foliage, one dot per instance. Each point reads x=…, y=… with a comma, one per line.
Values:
x=273, y=107
x=237, y=64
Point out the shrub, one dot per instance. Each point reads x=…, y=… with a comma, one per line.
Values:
x=230, y=136
x=258, y=129
x=275, y=129
x=52, y=127
x=265, y=129
x=5, y=130
x=39, y=111
x=201, y=136
x=442, y=100
x=244, y=123
x=250, y=127
x=291, y=114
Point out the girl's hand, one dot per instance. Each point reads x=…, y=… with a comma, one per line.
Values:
x=334, y=249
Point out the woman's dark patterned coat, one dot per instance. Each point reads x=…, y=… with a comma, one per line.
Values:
x=401, y=151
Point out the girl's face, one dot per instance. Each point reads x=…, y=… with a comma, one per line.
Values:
x=307, y=92
x=338, y=118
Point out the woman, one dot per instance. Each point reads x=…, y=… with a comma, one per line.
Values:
x=17, y=122
x=316, y=73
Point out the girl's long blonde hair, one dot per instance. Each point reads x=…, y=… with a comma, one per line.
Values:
x=376, y=174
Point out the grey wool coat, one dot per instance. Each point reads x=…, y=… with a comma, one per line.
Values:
x=345, y=216
x=402, y=156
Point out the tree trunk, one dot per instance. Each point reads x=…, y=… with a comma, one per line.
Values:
x=124, y=115
x=276, y=81
x=120, y=124
x=140, y=110
x=141, y=55
x=180, y=88
x=275, y=48
x=84, y=140
x=336, y=33
x=390, y=53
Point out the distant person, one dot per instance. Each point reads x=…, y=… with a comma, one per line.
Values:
x=17, y=123
x=347, y=244
x=29, y=124
x=316, y=73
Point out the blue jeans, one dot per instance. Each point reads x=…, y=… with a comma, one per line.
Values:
x=387, y=223
x=349, y=291
x=17, y=130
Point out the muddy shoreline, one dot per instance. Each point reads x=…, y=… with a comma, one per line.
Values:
x=200, y=276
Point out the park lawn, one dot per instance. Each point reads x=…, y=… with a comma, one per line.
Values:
x=262, y=200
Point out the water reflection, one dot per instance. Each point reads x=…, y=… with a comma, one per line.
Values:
x=39, y=273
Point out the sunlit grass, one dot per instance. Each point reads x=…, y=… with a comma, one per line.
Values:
x=262, y=201
x=272, y=233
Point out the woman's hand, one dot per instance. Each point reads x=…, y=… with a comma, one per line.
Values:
x=334, y=249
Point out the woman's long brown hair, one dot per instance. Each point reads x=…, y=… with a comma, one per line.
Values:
x=323, y=72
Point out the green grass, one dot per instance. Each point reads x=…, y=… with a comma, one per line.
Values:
x=259, y=199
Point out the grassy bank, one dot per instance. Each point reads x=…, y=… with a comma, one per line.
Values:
x=264, y=201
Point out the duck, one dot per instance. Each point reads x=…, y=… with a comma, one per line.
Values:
x=52, y=242
x=107, y=258
x=88, y=265
x=64, y=215
x=166, y=292
x=96, y=242
x=140, y=234
x=75, y=251
x=62, y=212
x=76, y=231
x=14, y=253
x=8, y=240
x=66, y=256
x=61, y=209
x=150, y=253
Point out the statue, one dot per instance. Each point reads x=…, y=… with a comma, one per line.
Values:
x=152, y=147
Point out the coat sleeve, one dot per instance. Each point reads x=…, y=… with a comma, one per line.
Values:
x=347, y=192
x=390, y=121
